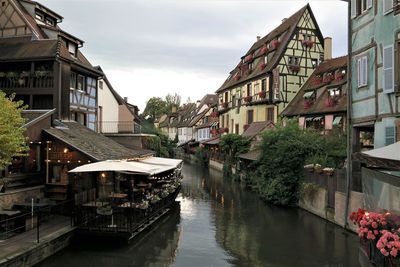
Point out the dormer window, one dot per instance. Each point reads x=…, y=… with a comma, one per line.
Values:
x=50, y=21
x=294, y=61
x=72, y=49
x=335, y=92
x=39, y=16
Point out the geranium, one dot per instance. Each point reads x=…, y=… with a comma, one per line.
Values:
x=370, y=225
x=356, y=217
x=389, y=243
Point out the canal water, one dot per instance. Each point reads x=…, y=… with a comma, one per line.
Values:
x=219, y=223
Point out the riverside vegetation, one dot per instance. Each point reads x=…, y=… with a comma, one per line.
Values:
x=277, y=175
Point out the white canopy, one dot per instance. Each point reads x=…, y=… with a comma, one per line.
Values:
x=391, y=152
x=150, y=167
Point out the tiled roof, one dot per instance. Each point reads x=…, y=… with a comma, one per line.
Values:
x=33, y=116
x=285, y=31
x=18, y=48
x=256, y=128
x=296, y=106
x=90, y=143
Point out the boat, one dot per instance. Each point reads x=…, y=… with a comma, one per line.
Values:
x=126, y=196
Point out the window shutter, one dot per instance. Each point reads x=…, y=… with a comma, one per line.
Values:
x=353, y=8
x=397, y=123
x=388, y=70
x=359, y=72
x=365, y=70
x=390, y=135
x=369, y=4
x=387, y=6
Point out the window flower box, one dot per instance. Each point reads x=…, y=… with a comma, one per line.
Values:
x=328, y=78
x=316, y=80
x=339, y=76
x=248, y=99
x=263, y=50
x=262, y=66
x=308, y=43
x=294, y=68
x=307, y=103
x=224, y=105
x=214, y=114
x=275, y=43
x=248, y=58
x=330, y=102
x=262, y=94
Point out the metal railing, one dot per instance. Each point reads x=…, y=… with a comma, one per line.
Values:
x=119, y=127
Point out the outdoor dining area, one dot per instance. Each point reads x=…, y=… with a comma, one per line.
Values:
x=127, y=196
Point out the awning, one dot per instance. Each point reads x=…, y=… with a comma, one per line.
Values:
x=151, y=167
x=387, y=157
x=308, y=94
x=337, y=120
x=317, y=118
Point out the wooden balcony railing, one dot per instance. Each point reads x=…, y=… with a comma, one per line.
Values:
x=27, y=82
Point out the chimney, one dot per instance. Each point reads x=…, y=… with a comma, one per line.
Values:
x=173, y=109
x=126, y=99
x=284, y=19
x=258, y=38
x=327, y=48
x=197, y=103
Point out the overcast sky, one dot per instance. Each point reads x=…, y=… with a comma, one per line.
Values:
x=155, y=47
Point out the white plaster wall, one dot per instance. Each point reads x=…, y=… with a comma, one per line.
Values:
x=110, y=109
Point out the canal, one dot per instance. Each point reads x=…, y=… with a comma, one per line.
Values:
x=219, y=223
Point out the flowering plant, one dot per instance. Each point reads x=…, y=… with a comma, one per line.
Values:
x=389, y=243
x=248, y=98
x=262, y=66
x=262, y=94
x=371, y=224
x=308, y=43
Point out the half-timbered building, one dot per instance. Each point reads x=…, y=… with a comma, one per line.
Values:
x=43, y=65
x=270, y=74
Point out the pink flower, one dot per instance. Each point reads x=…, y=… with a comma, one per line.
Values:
x=374, y=225
x=393, y=252
x=384, y=252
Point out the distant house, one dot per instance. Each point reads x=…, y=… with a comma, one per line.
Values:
x=43, y=65
x=116, y=115
x=321, y=102
x=270, y=74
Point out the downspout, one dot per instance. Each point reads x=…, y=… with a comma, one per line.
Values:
x=59, y=89
x=349, y=111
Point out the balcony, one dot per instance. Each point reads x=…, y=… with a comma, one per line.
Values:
x=224, y=106
x=119, y=127
x=13, y=80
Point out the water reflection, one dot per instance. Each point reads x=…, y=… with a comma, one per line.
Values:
x=219, y=223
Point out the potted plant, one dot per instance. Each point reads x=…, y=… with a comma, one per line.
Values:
x=294, y=68
x=262, y=94
x=339, y=76
x=330, y=102
x=316, y=80
x=248, y=98
x=237, y=77
x=308, y=43
x=307, y=103
x=224, y=105
x=263, y=50
x=275, y=43
x=248, y=58
x=262, y=66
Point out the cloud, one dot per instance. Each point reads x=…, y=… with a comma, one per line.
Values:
x=197, y=39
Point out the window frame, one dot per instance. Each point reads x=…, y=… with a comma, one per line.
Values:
x=362, y=69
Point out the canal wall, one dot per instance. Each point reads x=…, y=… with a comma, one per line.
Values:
x=317, y=203
x=8, y=199
x=37, y=252
x=216, y=165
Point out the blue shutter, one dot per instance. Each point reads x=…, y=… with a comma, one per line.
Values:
x=390, y=135
x=388, y=69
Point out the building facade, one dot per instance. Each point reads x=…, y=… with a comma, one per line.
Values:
x=375, y=68
x=270, y=74
x=43, y=65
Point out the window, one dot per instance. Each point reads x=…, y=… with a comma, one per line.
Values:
x=50, y=21
x=293, y=60
x=362, y=71
x=72, y=80
x=360, y=6
x=80, y=83
x=72, y=49
x=387, y=6
x=270, y=114
x=226, y=97
x=236, y=128
x=265, y=59
x=390, y=135
x=388, y=69
x=264, y=85
x=335, y=92
x=39, y=16
x=101, y=84
x=314, y=63
x=248, y=89
x=250, y=66
x=250, y=116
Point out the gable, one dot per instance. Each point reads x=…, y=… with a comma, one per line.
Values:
x=12, y=23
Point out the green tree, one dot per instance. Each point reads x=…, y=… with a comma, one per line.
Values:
x=12, y=140
x=233, y=145
x=172, y=101
x=155, y=107
x=279, y=171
